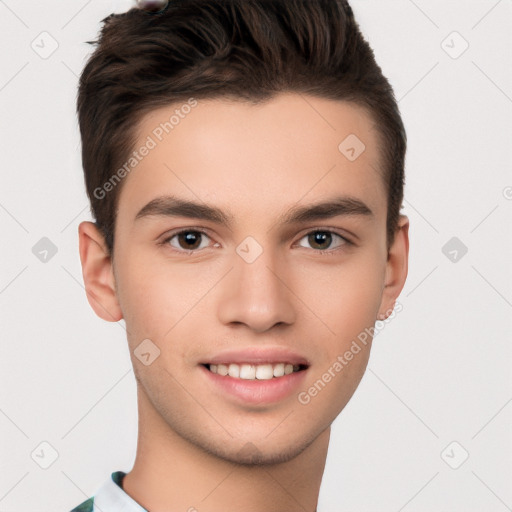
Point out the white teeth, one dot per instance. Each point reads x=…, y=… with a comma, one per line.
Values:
x=222, y=369
x=248, y=371
x=279, y=370
x=234, y=370
x=252, y=372
x=264, y=372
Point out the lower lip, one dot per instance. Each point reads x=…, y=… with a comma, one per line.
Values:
x=257, y=391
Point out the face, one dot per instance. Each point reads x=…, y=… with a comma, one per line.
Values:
x=282, y=265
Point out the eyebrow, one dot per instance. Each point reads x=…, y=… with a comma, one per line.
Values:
x=172, y=206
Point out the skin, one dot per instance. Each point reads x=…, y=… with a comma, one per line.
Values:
x=254, y=162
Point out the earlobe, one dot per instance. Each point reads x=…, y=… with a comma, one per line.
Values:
x=97, y=273
x=396, y=268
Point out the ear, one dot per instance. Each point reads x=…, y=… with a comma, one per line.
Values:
x=396, y=268
x=98, y=273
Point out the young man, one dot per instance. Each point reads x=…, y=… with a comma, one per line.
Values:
x=245, y=166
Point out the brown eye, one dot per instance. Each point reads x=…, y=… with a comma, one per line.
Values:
x=320, y=238
x=323, y=240
x=188, y=240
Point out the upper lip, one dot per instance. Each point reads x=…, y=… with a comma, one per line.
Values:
x=258, y=355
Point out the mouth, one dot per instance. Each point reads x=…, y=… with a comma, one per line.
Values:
x=258, y=383
x=255, y=376
x=248, y=371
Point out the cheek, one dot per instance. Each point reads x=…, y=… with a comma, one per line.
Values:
x=159, y=297
x=346, y=296
x=347, y=300
x=146, y=295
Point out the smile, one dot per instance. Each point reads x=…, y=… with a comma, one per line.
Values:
x=255, y=371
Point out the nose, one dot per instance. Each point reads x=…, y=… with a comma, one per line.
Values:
x=257, y=294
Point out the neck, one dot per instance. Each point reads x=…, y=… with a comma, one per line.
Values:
x=171, y=473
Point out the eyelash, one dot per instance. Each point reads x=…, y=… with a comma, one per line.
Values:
x=326, y=252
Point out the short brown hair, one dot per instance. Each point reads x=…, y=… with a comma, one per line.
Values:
x=243, y=49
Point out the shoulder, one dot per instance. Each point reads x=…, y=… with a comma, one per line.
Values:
x=110, y=497
x=86, y=506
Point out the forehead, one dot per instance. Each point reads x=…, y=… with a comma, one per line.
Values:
x=256, y=158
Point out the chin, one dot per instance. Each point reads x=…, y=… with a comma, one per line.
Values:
x=260, y=452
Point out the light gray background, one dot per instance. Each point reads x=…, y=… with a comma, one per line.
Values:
x=439, y=373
